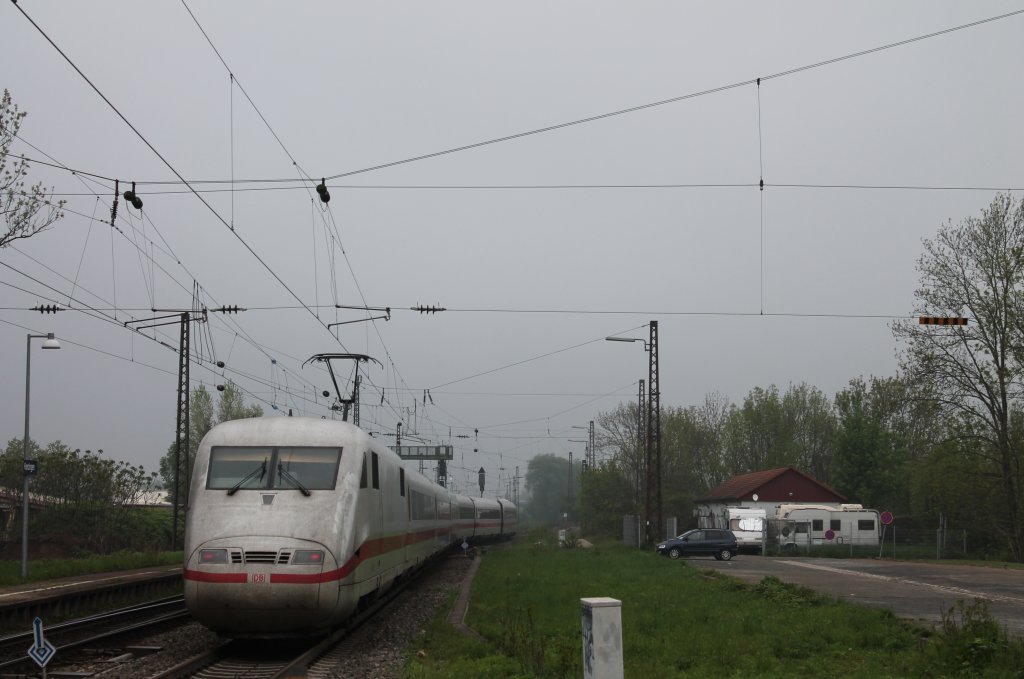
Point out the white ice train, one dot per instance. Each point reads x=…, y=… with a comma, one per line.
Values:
x=294, y=523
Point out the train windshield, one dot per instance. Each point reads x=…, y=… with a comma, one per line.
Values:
x=314, y=468
x=261, y=468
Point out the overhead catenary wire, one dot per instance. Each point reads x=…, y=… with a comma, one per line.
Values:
x=580, y=121
x=142, y=253
x=689, y=313
x=329, y=223
x=209, y=207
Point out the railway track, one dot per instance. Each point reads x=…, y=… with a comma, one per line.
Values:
x=259, y=660
x=96, y=631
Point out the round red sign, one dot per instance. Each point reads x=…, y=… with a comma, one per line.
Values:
x=886, y=518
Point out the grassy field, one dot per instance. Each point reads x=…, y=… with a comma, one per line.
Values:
x=679, y=621
x=48, y=569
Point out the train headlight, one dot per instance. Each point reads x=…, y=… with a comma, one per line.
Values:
x=213, y=556
x=307, y=557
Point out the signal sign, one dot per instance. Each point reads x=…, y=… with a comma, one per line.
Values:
x=41, y=650
x=942, y=320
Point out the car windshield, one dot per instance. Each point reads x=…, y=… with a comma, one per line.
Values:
x=287, y=468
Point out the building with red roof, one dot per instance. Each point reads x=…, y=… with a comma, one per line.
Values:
x=763, y=490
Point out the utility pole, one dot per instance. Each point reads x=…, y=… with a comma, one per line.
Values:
x=355, y=398
x=654, y=425
x=181, y=437
x=590, y=448
x=517, y=486
x=570, y=477
x=642, y=450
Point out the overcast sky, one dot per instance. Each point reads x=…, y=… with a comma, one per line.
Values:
x=538, y=245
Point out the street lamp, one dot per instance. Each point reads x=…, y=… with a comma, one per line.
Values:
x=628, y=339
x=49, y=343
x=652, y=447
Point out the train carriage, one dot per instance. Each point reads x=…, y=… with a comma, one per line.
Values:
x=293, y=523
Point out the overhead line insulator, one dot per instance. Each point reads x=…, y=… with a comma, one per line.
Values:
x=427, y=309
x=47, y=308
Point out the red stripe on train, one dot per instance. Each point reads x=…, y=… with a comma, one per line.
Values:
x=367, y=550
x=206, y=576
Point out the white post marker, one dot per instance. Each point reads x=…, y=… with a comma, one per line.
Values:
x=41, y=650
x=602, y=638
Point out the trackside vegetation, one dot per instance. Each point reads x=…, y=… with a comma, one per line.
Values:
x=681, y=621
x=49, y=569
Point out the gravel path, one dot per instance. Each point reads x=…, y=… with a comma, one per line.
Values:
x=378, y=649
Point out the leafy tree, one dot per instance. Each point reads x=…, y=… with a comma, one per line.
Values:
x=762, y=433
x=547, y=487
x=89, y=500
x=976, y=269
x=813, y=426
x=869, y=460
x=230, y=406
x=619, y=431
x=26, y=211
x=605, y=497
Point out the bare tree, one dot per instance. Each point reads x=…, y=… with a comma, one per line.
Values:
x=26, y=210
x=976, y=269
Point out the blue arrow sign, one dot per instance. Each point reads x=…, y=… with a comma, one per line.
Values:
x=41, y=650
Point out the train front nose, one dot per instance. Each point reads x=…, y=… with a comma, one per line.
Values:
x=266, y=587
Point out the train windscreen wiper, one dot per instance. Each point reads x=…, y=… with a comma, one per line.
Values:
x=261, y=470
x=288, y=475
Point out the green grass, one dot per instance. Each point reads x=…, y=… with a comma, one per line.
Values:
x=679, y=621
x=48, y=569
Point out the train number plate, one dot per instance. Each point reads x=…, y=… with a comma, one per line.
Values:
x=258, y=578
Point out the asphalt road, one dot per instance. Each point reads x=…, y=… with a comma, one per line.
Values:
x=917, y=591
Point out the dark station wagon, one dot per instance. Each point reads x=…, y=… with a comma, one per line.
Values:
x=715, y=542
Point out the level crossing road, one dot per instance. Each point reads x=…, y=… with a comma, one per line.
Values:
x=913, y=590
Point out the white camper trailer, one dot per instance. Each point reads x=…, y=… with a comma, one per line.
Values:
x=748, y=524
x=803, y=525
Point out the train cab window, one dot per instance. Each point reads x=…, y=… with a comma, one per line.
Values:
x=314, y=468
x=401, y=482
x=376, y=472
x=362, y=474
x=236, y=468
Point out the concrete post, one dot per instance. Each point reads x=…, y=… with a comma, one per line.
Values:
x=602, y=638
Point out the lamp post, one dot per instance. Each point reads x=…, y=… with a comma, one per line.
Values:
x=652, y=447
x=50, y=343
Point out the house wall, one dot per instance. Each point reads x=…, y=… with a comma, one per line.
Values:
x=712, y=514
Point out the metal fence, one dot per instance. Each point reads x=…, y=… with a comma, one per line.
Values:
x=892, y=541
